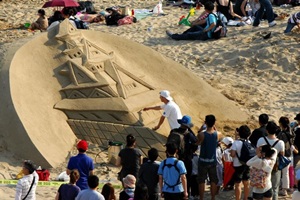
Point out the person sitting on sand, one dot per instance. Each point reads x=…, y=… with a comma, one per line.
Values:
x=240, y=8
x=57, y=16
x=41, y=23
x=70, y=190
x=226, y=8
x=293, y=21
x=198, y=32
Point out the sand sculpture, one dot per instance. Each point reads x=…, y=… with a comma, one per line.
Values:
x=69, y=84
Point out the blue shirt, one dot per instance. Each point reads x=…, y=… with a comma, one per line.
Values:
x=170, y=175
x=84, y=165
x=68, y=191
x=209, y=20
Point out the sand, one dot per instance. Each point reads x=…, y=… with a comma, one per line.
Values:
x=259, y=75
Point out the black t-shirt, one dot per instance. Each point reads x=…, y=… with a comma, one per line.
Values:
x=148, y=175
x=297, y=139
x=256, y=134
x=130, y=161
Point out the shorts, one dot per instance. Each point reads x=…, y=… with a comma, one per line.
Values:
x=267, y=194
x=211, y=170
x=241, y=173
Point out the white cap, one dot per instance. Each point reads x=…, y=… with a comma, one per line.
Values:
x=227, y=140
x=166, y=94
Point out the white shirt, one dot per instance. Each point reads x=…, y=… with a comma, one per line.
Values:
x=267, y=166
x=279, y=146
x=23, y=186
x=296, y=195
x=237, y=147
x=226, y=155
x=172, y=113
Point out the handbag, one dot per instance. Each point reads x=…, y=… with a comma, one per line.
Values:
x=258, y=178
x=283, y=162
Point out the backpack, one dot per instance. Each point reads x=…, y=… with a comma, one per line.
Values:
x=258, y=178
x=177, y=169
x=247, y=152
x=80, y=24
x=275, y=168
x=221, y=29
x=178, y=139
x=44, y=174
x=286, y=138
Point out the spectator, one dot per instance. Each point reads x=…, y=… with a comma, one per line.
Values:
x=279, y=146
x=57, y=16
x=265, y=6
x=194, y=193
x=228, y=181
x=293, y=21
x=226, y=8
x=130, y=158
x=69, y=191
x=108, y=191
x=207, y=159
x=240, y=8
x=198, y=32
x=91, y=193
x=26, y=186
x=172, y=180
x=171, y=110
x=265, y=159
x=184, y=150
x=148, y=174
x=129, y=187
x=141, y=192
x=41, y=23
x=83, y=163
x=220, y=167
x=261, y=131
x=242, y=172
x=286, y=136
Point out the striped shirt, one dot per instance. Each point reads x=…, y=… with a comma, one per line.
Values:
x=295, y=18
x=24, y=185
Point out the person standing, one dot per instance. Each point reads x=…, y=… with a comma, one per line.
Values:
x=207, y=160
x=171, y=110
x=277, y=144
x=148, y=174
x=91, y=193
x=70, y=190
x=83, y=163
x=26, y=186
x=130, y=158
x=172, y=180
x=242, y=172
x=263, y=119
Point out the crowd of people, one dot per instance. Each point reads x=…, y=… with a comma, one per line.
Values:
x=263, y=162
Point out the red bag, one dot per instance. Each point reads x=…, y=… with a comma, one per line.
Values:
x=44, y=174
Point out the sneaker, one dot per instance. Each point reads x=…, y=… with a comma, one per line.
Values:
x=169, y=33
x=271, y=24
x=282, y=193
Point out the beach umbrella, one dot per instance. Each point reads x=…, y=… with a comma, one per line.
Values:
x=61, y=3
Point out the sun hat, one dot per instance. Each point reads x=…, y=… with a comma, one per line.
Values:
x=186, y=121
x=129, y=181
x=82, y=144
x=166, y=94
x=227, y=140
x=297, y=117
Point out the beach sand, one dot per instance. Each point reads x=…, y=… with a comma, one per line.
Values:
x=260, y=75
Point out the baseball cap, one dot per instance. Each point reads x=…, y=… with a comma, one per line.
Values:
x=82, y=144
x=186, y=121
x=166, y=94
x=129, y=181
x=297, y=117
x=227, y=140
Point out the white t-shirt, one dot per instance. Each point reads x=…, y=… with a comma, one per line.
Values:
x=172, y=113
x=279, y=146
x=237, y=146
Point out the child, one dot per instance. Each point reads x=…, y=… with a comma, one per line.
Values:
x=292, y=22
x=219, y=155
x=41, y=23
x=148, y=174
x=129, y=187
x=194, y=184
x=228, y=181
